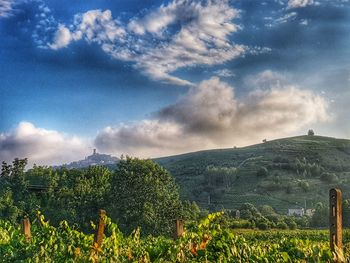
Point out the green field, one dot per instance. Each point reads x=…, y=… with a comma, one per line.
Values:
x=300, y=172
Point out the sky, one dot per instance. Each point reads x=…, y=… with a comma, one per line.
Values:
x=156, y=78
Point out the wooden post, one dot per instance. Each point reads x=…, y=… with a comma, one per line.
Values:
x=26, y=229
x=335, y=220
x=100, y=229
x=179, y=228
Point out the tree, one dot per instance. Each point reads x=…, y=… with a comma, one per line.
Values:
x=290, y=222
x=248, y=211
x=79, y=198
x=15, y=200
x=346, y=213
x=144, y=194
x=310, y=132
x=320, y=217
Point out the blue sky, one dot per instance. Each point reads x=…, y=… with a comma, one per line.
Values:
x=154, y=78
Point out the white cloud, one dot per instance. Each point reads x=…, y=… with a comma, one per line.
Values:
x=304, y=22
x=181, y=34
x=265, y=79
x=299, y=3
x=41, y=146
x=283, y=19
x=7, y=7
x=225, y=73
x=155, y=22
x=98, y=26
x=94, y=26
x=62, y=38
x=46, y=27
x=211, y=116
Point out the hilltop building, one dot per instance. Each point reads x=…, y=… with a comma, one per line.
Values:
x=94, y=159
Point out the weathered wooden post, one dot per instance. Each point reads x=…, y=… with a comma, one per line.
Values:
x=100, y=228
x=179, y=228
x=26, y=229
x=335, y=221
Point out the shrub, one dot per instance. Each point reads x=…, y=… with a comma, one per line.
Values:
x=262, y=172
x=282, y=225
x=329, y=177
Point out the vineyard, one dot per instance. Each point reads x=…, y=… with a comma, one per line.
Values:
x=204, y=241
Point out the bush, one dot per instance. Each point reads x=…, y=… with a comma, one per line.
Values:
x=304, y=185
x=329, y=177
x=241, y=224
x=290, y=222
x=282, y=225
x=262, y=223
x=262, y=172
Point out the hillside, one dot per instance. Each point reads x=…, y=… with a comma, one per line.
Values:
x=283, y=173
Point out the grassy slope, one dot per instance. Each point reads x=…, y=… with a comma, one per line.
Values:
x=330, y=153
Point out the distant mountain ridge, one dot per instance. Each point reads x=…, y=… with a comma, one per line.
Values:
x=92, y=160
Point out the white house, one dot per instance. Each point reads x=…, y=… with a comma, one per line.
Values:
x=296, y=211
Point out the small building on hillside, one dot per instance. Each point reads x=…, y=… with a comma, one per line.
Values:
x=296, y=212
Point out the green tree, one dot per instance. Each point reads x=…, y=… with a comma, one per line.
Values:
x=262, y=172
x=320, y=217
x=310, y=132
x=144, y=194
x=16, y=200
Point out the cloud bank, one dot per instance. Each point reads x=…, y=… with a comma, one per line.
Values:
x=208, y=116
x=183, y=33
x=211, y=116
x=41, y=146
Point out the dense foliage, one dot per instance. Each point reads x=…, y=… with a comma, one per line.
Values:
x=206, y=241
x=137, y=193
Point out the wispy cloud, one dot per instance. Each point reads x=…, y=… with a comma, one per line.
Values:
x=46, y=24
x=265, y=80
x=225, y=73
x=299, y=3
x=282, y=19
x=7, y=7
x=181, y=34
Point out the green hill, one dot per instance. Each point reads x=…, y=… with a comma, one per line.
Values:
x=283, y=173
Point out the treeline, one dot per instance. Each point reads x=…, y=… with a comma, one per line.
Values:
x=137, y=193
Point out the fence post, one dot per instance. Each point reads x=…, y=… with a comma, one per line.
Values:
x=26, y=229
x=100, y=228
x=179, y=228
x=335, y=221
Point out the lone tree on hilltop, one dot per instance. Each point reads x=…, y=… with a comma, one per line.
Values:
x=311, y=132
